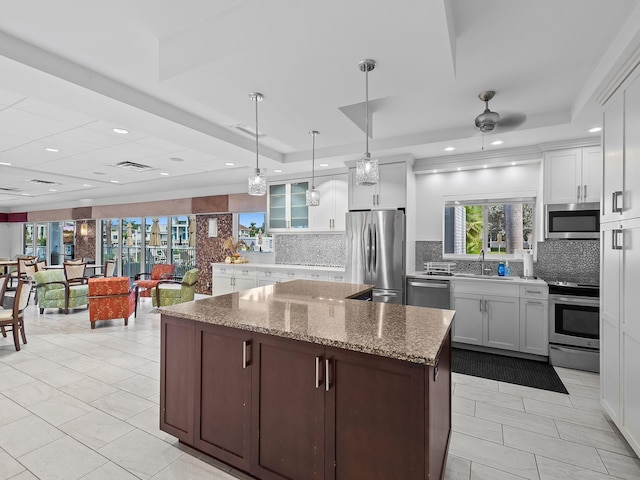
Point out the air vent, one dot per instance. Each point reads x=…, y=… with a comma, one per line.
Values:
x=43, y=182
x=8, y=189
x=136, y=167
x=247, y=130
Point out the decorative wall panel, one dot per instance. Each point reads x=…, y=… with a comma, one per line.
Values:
x=209, y=249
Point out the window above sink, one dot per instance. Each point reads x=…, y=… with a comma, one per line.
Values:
x=502, y=228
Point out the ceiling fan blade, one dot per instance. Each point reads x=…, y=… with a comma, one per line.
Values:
x=509, y=121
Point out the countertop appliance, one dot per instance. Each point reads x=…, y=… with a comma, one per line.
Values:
x=427, y=292
x=574, y=325
x=375, y=252
x=577, y=221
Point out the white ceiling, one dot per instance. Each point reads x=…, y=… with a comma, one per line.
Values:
x=177, y=76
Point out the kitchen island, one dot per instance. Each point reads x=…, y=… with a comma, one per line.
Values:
x=300, y=380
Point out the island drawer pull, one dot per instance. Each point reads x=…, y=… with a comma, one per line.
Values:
x=318, y=372
x=245, y=344
x=327, y=376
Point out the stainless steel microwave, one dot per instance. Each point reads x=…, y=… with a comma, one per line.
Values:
x=572, y=221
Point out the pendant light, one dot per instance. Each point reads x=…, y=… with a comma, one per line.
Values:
x=313, y=195
x=367, y=167
x=257, y=181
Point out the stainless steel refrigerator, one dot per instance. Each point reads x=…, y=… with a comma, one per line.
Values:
x=375, y=252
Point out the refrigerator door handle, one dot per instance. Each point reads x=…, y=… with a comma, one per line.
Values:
x=374, y=249
x=367, y=250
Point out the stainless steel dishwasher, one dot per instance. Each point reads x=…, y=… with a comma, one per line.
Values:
x=427, y=292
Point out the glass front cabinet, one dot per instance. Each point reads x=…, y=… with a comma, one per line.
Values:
x=288, y=207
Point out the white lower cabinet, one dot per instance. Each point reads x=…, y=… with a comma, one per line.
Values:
x=534, y=326
x=467, y=324
x=501, y=325
x=232, y=278
x=502, y=316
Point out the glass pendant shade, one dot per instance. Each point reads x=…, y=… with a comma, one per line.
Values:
x=257, y=183
x=367, y=167
x=313, y=198
x=367, y=170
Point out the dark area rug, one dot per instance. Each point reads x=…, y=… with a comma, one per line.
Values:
x=520, y=371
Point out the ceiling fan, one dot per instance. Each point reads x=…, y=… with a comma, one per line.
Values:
x=488, y=120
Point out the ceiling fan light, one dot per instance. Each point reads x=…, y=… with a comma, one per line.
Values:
x=367, y=170
x=487, y=120
x=258, y=183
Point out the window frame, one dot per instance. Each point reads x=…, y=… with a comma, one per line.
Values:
x=484, y=201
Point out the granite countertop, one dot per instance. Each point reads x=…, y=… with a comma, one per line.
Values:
x=323, y=313
x=283, y=266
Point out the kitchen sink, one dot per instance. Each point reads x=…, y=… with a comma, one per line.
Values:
x=483, y=277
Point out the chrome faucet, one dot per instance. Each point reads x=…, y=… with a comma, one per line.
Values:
x=483, y=271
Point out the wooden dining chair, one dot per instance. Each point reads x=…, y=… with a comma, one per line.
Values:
x=12, y=319
x=74, y=272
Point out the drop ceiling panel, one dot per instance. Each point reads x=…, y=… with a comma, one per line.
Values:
x=106, y=128
x=53, y=112
x=98, y=139
x=33, y=122
x=9, y=98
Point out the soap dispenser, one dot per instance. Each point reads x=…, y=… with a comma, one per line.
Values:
x=501, y=269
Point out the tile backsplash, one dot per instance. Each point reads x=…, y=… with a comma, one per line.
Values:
x=323, y=250
x=569, y=260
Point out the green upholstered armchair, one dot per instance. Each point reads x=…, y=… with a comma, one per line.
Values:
x=170, y=292
x=54, y=292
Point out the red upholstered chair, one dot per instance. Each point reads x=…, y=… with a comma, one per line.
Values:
x=159, y=271
x=111, y=298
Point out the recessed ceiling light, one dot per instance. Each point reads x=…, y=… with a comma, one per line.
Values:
x=595, y=129
x=277, y=170
x=449, y=149
x=484, y=166
x=54, y=150
x=229, y=164
x=435, y=171
x=86, y=185
x=6, y=163
x=176, y=159
x=25, y=194
x=497, y=142
x=114, y=181
x=53, y=190
x=164, y=173
x=324, y=164
x=459, y=168
x=513, y=163
x=121, y=131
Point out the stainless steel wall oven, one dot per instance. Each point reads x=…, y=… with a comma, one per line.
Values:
x=574, y=332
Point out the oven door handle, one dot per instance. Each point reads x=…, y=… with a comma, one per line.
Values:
x=588, y=301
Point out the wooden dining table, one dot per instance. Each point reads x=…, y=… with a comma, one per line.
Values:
x=5, y=264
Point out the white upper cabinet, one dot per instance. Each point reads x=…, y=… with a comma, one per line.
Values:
x=287, y=206
x=390, y=191
x=621, y=198
x=573, y=175
x=330, y=214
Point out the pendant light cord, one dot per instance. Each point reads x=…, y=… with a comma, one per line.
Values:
x=366, y=106
x=257, y=166
x=313, y=161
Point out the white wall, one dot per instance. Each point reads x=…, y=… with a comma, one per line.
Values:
x=10, y=239
x=431, y=189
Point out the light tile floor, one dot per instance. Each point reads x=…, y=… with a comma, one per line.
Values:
x=81, y=403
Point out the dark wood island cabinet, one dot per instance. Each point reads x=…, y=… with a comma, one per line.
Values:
x=296, y=381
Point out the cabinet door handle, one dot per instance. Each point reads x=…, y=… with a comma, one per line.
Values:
x=616, y=241
x=616, y=196
x=327, y=375
x=533, y=292
x=245, y=344
x=584, y=192
x=578, y=193
x=480, y=304
x=530, y=302
x=318, y=372
x=485, y=305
